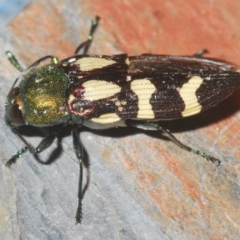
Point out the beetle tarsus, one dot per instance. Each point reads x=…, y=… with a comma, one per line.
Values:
x=78, y=216
x=206, y=156
x=200, y=53
x=11, y=161
x=15, y=157
x=85, y=45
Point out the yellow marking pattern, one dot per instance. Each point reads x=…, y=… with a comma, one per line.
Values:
x=71, y=98
x=91, y=63
x=127, y=61
x=106, y=118
x=188, y=95
x=144, y=89
x=99, y=89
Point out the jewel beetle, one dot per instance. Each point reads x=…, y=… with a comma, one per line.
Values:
x=101, y=92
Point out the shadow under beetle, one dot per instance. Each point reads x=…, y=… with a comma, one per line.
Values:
x=101, y=92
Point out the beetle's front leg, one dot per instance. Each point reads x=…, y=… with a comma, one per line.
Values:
x=78, y=148
x=44, y=144
x=14, y=158
x=85, y=45
x=155, y=126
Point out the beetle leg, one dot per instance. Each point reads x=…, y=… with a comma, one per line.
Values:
x=200, y=53
x=152, y=126
x=44, y=144
x=14, y=158
x=85, y=45
x=79, y=154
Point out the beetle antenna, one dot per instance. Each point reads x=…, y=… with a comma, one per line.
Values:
x=54, y=60
x=15, y=82
x=28, y=145
x=13, y=60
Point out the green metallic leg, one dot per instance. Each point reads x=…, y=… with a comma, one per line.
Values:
x=200, y=53
x=14, y=158
x=79, y=154
x=151, y=126
x=85, y=45
x=44, y=144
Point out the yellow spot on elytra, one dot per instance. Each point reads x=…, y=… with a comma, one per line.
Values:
x=127, y=61
x=71, y=97
x=120, y=109
x=144, y=89
x=106, y=118
x=129, y=78
x=99, y=89
x=188, y=95
x=91, y=63
x=118, y=103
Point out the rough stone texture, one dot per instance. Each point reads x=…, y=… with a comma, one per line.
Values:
x=141, y=186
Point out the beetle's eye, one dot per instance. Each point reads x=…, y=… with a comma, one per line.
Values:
x=13, y=113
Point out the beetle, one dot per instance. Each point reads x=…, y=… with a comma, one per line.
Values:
x=101, y=92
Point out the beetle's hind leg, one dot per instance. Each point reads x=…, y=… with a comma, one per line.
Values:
x=152, y=126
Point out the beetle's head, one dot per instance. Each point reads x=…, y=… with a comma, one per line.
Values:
x=13, y=108
x=40, y=98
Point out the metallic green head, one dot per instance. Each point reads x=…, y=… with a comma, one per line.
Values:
x=40, y=99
